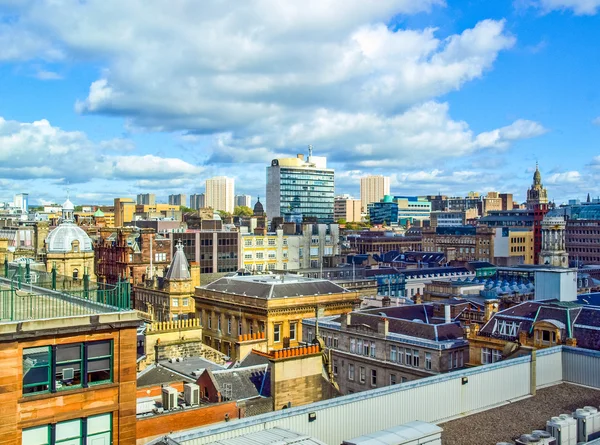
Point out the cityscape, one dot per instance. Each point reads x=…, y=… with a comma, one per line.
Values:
x=310, y=223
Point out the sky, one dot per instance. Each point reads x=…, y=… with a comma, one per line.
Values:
x=108, y=98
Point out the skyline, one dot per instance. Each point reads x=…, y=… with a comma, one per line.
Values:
x=440, y=96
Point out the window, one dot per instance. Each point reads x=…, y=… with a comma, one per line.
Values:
x=185, y=301
x=248, y=243
x=428, y=360
x=260, y=242
x=276, y=333
x=490, y=355
x=392, y=379
x=372, y=349
x=219, y=322
x=36, y=370
x=74, y=365
x=373, y=377
x=293, y=326
x=352, y=345
x=359, y=346
x=272, y=241
x=403, y=379
x=335, y=367
x=408, y=357
x=239, y=326
x=336, y=342
x=350, y=372
x=260, y=255
x=248, y=255
x=229, y=325
x=415, y=358
x=366, y=348
x=175, y=302
x=362, y=374
x=393, y=354
x=91, y=430
x=209, y=320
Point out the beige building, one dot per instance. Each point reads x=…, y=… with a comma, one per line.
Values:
x=265, y=312
x=492, y=201
x=270, y=251
x=511, y=242
x=373, y=189
x=347, y=208
x=170, y=297
x=69, y=247
x=220, y=193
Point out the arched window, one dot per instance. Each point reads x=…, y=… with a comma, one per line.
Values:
x=75, y=273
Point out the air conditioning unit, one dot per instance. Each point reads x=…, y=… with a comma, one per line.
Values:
x=68, y=373
x=545, y=437
x=588, y=423
x=145, y=405
x=526, y=439
x=191, y=394
x=169, y=398
x=564, y=429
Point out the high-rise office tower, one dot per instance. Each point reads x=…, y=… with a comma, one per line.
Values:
x=177, y=200
x=147, y=199
x=243, y=200
x=301, y=188
x=220, y=193
x=373, y=189
x=197, y=201
x=22, y=201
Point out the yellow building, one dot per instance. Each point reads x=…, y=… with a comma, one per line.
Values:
x=69, y=247
x=123, y=211
x=170, y=297
x=270, y=251
x=242, y=313
x=514, y=242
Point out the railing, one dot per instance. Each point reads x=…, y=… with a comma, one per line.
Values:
x=31, y=294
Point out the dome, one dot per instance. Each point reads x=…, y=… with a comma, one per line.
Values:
x=99, y=214
x=60, y=240
x=68, y=205
x=258, y=208
x=537, y=176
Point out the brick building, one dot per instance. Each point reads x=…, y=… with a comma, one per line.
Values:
x=466, y=243
x=390, y=345
x=68, y=370
x=128, y=252
x=380, y=242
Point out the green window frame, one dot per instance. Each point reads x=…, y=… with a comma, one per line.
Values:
x=69, y=366
x=94, y=429
x=37, y=363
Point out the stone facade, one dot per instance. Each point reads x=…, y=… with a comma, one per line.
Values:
x=553, y=251
x=460, y=243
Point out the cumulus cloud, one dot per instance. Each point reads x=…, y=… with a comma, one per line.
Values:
x=40, y=150
x=570, y=177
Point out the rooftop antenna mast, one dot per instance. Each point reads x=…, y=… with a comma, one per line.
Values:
x=310, y=151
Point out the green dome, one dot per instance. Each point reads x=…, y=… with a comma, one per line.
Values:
x=388, y=198
x=99, y=214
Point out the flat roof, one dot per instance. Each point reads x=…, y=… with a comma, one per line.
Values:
x=271, y=436
x=188, y=365
x=508, y=422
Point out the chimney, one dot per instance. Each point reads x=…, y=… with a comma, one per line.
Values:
x=490, y=308
x=447, y=316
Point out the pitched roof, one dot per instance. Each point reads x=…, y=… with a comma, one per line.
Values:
x=179, y=268
x=244, y=383
x=157, y=375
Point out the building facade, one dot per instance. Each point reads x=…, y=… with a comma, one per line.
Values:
x=347, y=209
x=215, y=251
x=124, y=208
x=243, y=200
x=220, y=192
x=244, y=312
x=197, y=201
x=380, y=242
x=386, y=346
x=148, y=199
x=553, y=252
x=536, y=194
x=467, y=243
x=177, y=200
x=373, y=189
x=513, y=242
x=270, y=251
x=303, y=188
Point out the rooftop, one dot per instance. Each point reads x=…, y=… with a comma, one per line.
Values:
x=274, y=286
x=190, y=366
x=510, y=421
x=272, y=436
x=155, y=375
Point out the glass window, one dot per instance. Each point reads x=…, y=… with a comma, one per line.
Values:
x=99, y=430
x=229, y=325
x=392, y=379
x=276, y=333
x=175, y=302
x=68, y=366
x=185, y=301
x=393, y=354
x=293, y=326
x=408, y=357
x=69, y=432
x=335, y=367
x=427, y=360
x=415, y=358
x=372, y=349
x=95, y=430
x=99, y=362
x=359, y=346
x=350, y=372
x=352, y=345
x=36, y=370
x=362, y=374
x=373, y=377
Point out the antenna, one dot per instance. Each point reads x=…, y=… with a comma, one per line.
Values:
x=310, y=151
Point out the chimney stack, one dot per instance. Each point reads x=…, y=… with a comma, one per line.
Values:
x=447, y=316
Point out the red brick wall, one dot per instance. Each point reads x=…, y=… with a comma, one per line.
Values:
x=159, y=425
x=155, y=391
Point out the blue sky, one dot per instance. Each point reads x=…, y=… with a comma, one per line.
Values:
x=112, y=98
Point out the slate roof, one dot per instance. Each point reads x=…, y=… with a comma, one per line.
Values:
x=253, y=359
x=155, y=375
x=189, y=365
x=179, y=268
x=274, y=286
x=245, y=383
x=271, y=436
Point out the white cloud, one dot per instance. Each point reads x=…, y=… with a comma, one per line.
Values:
x=569, y=177
x=596, y=121
x=579, y=7
x=40, y=150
